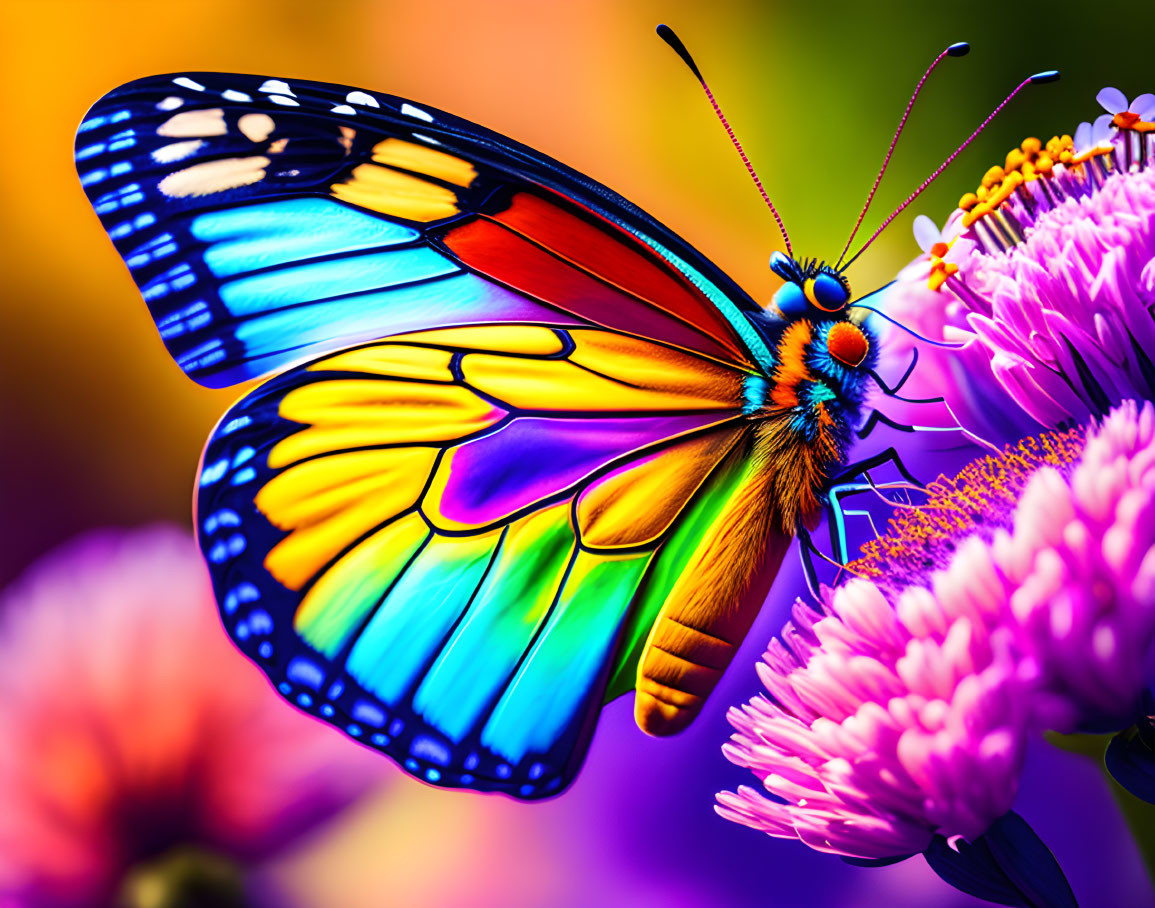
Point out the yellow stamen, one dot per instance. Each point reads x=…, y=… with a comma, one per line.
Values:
x=939, y=272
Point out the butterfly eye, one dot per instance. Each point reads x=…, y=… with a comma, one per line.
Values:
x=827, y=293
x=790, y=299
x=847, y=344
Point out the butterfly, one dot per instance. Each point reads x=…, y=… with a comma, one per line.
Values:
x=523, y=449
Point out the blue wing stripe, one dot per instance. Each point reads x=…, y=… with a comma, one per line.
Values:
x=555, y=679
x=254, y=237
x=418, y=614
x=344, y=277
x=458, y=299
x=484, y=651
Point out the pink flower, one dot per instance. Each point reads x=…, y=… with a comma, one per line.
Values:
x=900, y=711
x=141, y=753
x=884, y=725
x=1048, y=284
x=1078, y=576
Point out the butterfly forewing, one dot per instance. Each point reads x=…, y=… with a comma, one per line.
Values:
x=266, y=221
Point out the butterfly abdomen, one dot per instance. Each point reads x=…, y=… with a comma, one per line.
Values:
x=710, y=608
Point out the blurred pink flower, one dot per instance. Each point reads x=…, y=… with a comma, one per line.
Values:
x=1049, y=285
x=141, y=753
x=898, y=713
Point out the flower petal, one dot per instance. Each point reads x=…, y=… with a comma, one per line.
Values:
x=1144, y=105
x=926, y=232
x=1083, y=141
x=1102, y=130
x=1112, y=100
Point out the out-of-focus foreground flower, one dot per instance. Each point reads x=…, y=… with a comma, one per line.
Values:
x=144, y=762
x=1046, y=273
x=899, y=712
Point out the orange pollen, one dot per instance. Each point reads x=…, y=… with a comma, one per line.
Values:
x=976, y=502
x=1032, y=160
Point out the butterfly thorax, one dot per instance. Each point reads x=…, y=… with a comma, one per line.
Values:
x=808, y=407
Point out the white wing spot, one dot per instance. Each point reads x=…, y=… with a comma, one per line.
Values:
x=172, y=102
x=176, y=151
x=282, y=100
x=230, y=94
x=429, y=139
x=343, y=109
x=363, y=98
x=186, y=82
x=410, y=111
x=277, y=86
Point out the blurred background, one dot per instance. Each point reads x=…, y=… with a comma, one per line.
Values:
x=98, y=427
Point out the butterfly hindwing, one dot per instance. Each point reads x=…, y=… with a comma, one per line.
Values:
x=447, y=542
x=267, y=221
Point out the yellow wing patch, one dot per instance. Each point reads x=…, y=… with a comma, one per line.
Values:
x=396, y=194
x=393, y=184
x=329, y=502
x=350, y=413
x=424, y=363
x=420, y=159
x=606, y=370
x=635, y=504
x=533, y=340
x=652, y=366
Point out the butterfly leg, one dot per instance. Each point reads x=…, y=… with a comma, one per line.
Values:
x=806, y=550
x=861, y=467
x=877, y=416
x=843, y=486
x=893, y=392
x=838, y=514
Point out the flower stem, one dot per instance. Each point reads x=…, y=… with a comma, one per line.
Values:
x=1140, y=815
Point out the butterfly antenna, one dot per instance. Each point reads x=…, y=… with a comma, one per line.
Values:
x=1049, y=76
x=961, y=49
x=667, y=34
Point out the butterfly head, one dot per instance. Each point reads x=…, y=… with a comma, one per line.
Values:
x=818, y=293
x=812, y=288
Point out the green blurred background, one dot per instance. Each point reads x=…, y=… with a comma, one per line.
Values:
x=99, y=427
